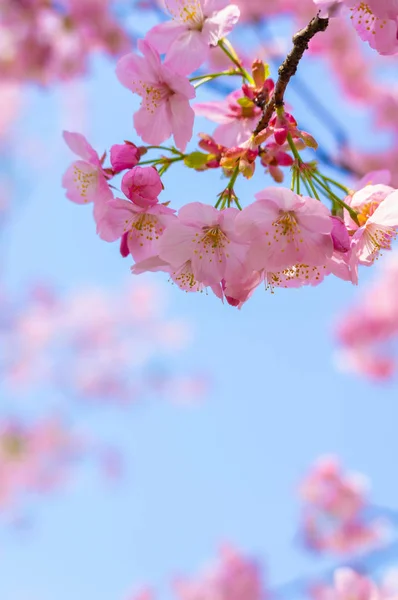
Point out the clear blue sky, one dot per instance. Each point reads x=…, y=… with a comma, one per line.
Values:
x=199, y=476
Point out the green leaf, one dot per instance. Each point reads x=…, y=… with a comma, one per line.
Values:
x=195, y=160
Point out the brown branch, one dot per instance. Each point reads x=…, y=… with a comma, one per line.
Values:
x=289, y=66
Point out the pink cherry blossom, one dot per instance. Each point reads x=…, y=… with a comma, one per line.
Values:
x=333, y=514
x=206, y=237
x=377, y=23
x=197, y=25
x=285, y=230
x=144, y=226
x=85, y=180
x=165, y=108
x=182, y=275
x=378, y=218
x=237, y=121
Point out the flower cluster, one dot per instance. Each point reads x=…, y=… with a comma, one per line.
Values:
x=286, y=237
x=334, y=516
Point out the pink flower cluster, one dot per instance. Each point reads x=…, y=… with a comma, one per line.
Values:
x=43, y=40
x=34, y=458
x=367, y=331
x=284, y=239
x=95, y=345
x=333, y=516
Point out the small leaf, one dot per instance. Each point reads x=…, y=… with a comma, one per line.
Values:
x=195, y=160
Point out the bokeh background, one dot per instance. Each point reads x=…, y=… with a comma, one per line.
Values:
x=219, y=460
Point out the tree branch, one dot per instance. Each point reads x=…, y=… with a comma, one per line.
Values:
x=289, y=67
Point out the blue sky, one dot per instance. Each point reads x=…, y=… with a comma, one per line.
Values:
x=226, y=470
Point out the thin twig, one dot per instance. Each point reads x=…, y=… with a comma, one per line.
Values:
x=289, y=66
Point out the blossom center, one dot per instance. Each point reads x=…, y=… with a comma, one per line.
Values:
x=380, y=237
x=146, y=228
x=84, y=180
x=188, y=12
x=153, y=95
x=365, y=17
x=212, y=242
x=286, y=226
x=367, y=211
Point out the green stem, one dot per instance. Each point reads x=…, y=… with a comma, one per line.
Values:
x=307, y=187
x=294, y=177
x=173, y=150
x=227, y=48
x=201, y=79
x=308, y=178
x=237, y=203
x=353, y=214
x=233, y=179
x=162, y=161
x=293, y=148
x=337, y=184
x=154, y=161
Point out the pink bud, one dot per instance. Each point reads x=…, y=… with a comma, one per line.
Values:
x=142, y=185
x=124, y=156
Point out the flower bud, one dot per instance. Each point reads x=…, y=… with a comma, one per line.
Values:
x=124, y=156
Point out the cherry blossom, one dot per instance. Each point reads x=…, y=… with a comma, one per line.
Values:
x=237, y=120
x=197, y=26
x=285, y=230
x=165, y=94
x=206, y=237
x=333, y=514
x=85, y=180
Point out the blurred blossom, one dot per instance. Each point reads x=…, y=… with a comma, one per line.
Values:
x=34, y=458
x=334, y=516
x=48, y=41
x=368, y=331
x=94, y=344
